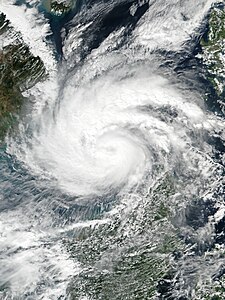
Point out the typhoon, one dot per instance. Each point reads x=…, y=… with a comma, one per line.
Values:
x=112, y=184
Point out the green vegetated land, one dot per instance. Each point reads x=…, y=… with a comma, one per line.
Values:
x=127, y=259
x=59, y=7
x=19, y=70
x=213, y=51
x=213, y=55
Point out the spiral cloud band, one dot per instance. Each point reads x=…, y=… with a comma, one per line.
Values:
x=113, y=132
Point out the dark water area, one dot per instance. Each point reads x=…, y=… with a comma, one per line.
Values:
x=57, y=23
x=117, y=15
